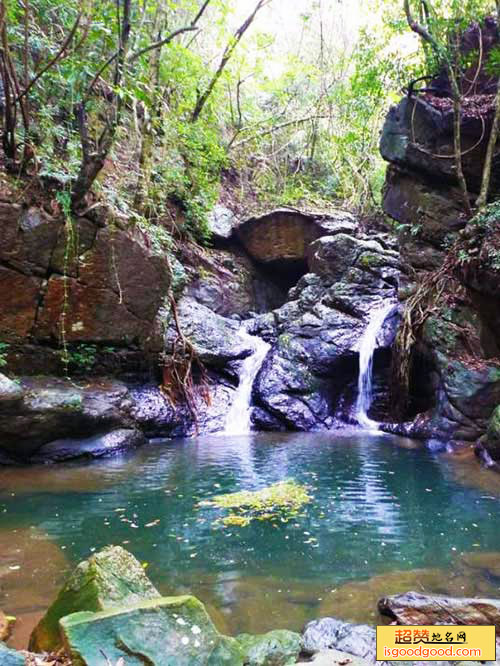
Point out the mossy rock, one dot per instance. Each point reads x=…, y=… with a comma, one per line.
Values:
x=109, y=579
x=170, y=631
x=493, y=433
x=276, y=648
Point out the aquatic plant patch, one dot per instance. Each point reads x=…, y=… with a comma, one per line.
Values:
x=279, y=502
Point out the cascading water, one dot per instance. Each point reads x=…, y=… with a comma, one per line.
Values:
x=367, y=348
x=238, y=418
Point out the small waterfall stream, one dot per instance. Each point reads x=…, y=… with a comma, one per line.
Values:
x=367, y=348
x=238, y=417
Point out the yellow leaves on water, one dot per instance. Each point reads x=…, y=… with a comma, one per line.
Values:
x=280, y=501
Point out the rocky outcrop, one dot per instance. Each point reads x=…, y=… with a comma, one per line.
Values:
x=76, y=281
x=316, y=333
x=455, y=382
x=285, y=234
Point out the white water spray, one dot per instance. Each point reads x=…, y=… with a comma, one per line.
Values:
x=238, y=418
x=367, y=348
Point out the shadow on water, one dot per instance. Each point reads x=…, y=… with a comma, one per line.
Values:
x=383, y=519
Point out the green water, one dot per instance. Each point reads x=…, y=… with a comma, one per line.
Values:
x=377, y=509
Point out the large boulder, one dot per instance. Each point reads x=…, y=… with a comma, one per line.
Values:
x=417, y=608
x=98, y=446
x=107, y=580
x=53, y=409
x=284, y=234
x=171, y=631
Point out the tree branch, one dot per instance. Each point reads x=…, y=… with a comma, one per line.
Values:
x=57, y=57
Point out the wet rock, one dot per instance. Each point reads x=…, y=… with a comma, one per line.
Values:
x=10, y=657
x=158, y=632
x=214, y=338
x=54, y=409
x=327, y=633
x=108, y=579
x=10, y=392
x=316, y=332
x=491, y=441
x=99, y=446
x=416, y=608
x=276, y=648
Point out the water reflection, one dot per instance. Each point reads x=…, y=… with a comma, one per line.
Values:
x=379, y=511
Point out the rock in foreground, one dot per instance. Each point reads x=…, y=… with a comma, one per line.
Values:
x=415, y=608
x=108, y=579
x=171, y=631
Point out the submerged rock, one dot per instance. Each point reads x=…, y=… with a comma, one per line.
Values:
x=276, y=648
x=417, y=608
x=108, y=579
x=174, y=631
x=99, y=446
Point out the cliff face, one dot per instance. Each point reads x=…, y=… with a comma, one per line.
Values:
x=457, y=358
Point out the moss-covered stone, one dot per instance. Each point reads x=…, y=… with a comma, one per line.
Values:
x=276, y=648
x=109, y=579
x=171, y=631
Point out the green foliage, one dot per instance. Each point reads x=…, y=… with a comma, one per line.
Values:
x=281, y=501
x=81, y=357
x=4, y=348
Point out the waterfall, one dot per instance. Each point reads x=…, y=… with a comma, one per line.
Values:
x=367, y=348
x=238, y=417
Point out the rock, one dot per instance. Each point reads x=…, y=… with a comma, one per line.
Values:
x=10, y=392
x=221, y=222
x=316, y=332
x=276, y=648
x=171, y=631
x=54, y=409
x=19, y=296
x=98, y=446
x=335, y=658
x=285, y=234
x=214, y=338
x=10, y=657
x=355, y=639
x=416, y=608
x=492, y=440
x=228, y=282
x=106, y=580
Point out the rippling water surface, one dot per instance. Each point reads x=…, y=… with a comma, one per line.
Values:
x=384, y=519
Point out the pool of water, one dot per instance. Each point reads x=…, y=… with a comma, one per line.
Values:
x=384, y=518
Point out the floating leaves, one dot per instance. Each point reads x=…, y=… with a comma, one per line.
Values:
x=281, y=501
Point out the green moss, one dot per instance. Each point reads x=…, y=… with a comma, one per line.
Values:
x=281, y=501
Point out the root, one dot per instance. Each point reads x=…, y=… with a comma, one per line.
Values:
x=178, y=384
x=426, y=301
